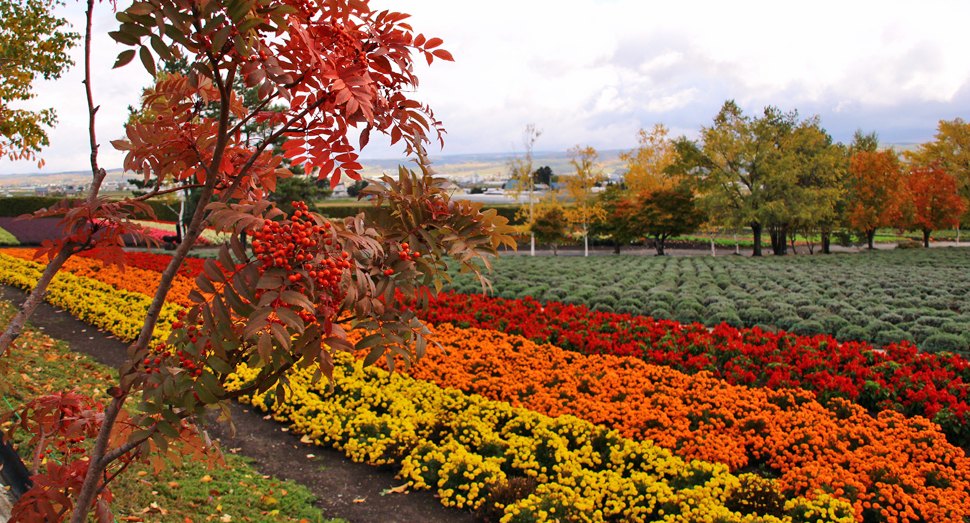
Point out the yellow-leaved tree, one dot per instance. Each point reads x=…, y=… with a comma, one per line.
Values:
x=522, y=180
x=647, y=164
x=579, y=188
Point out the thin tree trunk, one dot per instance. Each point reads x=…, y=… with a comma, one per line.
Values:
x=826, y=243
x=585, y=240
x=871, y=236
x=926, y=237
x=36, y=296
x=40, y=289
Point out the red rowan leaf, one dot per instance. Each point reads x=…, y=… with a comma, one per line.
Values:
x=444, y=55
x=432, y=43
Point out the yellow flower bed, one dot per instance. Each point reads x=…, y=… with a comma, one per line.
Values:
x=119, y=312
x=466, y=446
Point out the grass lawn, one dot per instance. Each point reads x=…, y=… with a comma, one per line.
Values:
x=194, y=493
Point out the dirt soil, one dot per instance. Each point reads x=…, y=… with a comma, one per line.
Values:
x=344, y=489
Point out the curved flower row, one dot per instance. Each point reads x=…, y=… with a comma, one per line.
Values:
x=469, y=448
x=117, y=311
x=902, y=379
x=133, y=279
x=785, y=433
x=936, y=386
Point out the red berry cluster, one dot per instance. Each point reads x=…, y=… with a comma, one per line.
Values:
x=75, y=445
x=405, y=254
x=187, y=360
x=308, y=251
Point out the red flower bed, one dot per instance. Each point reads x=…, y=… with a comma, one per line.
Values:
x=902, y=378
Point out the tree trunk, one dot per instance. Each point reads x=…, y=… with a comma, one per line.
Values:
x=773, y=236
x=616, y=247
x=659, y=242
x=756, y=232
x=826, y=243
x=926, y=237
x=791, y=237
x=871, y=236
x=36, y=295
x=555, y=250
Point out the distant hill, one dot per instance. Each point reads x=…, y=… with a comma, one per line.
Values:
x=486, y=165
x=490, y=164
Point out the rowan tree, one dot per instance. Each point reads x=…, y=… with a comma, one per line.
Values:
x=32, y=44
x=934, y=201
x=875, y=192
x=308, y=280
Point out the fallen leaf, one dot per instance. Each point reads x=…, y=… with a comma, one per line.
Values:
x=142, y=473
x=360, y=500
x=403, y=489
x=306, y=439
x=226, y=518
x=205, y=479
x=173, y=484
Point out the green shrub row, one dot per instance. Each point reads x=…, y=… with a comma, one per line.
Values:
x=882, y=297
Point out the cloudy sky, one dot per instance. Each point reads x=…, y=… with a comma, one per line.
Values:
x=593, y=72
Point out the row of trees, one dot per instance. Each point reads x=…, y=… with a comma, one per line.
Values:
x=773, y=173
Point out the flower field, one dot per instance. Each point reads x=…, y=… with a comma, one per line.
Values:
x=543, y=411
x=883, y=297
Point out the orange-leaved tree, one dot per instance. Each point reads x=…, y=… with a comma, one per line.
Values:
x=289, y=302
x=934, y=200
x=876, y=192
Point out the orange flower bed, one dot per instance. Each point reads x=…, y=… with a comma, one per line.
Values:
x=891, y=468
x=133, y=279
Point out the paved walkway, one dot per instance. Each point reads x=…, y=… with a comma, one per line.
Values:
x=577, y=250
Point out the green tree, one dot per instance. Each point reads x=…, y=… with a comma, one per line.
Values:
x=354, y=189
x=612, y=221
x=579, y=188
x=543, y=175
x=809, y=183
x=550, y=226
x=661, y=214
x=864, y=142
x=32, y=44
x=738, y=158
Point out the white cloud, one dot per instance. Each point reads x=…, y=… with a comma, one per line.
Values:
x=593, y=72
